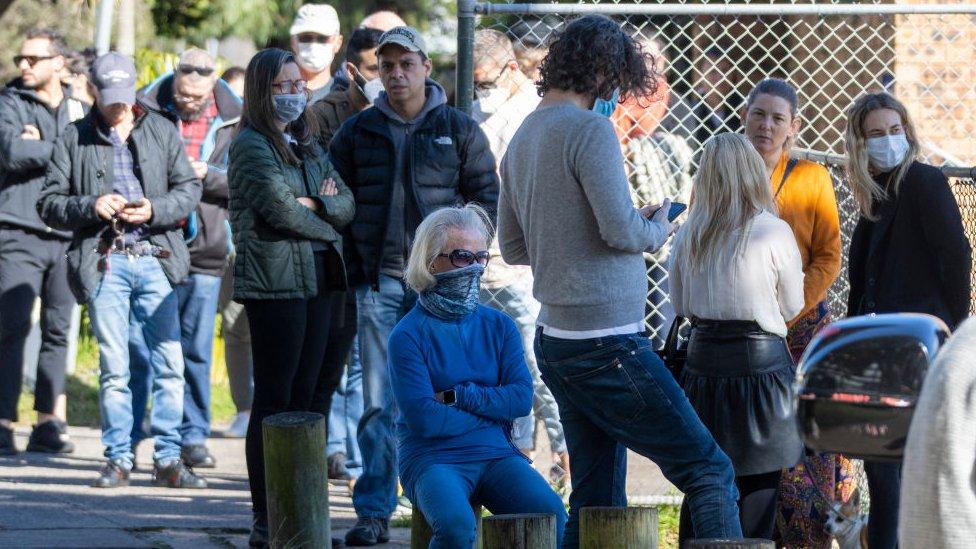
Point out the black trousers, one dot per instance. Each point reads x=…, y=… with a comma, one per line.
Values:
x=884, y=486
x=289, y=342
x=757, y=507
x=33, y=265
x=341, y=337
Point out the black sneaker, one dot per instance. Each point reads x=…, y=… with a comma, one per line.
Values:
x=337, y=467
x=7, y=446
x=50, y=437
x=368, y=531
x=112, y=475
x=198, y=457
x=176, y=474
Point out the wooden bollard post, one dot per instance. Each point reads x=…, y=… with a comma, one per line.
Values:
x=528, y=531
x=618, y=527
x=731, y=544
x=421, y=532
x=296, y=477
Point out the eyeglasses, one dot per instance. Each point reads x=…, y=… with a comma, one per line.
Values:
x=486, y=85
x=290, y=86
x=309, y=38
x=464, y=258
x=31, y=59
x=190, y=69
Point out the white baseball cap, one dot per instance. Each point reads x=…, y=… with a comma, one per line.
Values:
x=316, y=18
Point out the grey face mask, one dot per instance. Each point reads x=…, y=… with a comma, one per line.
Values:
x=289, y=106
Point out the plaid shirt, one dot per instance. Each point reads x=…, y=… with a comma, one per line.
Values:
x=194, y=132
x=126, y=182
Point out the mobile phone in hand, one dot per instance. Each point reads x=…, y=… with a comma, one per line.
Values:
x=133, y=204
x=677, y=208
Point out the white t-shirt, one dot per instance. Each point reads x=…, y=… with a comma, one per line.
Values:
x=765, y=283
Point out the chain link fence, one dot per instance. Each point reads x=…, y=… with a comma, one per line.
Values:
x=711, y=54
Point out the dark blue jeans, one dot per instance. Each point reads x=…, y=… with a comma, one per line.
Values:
x=614, y=393
x=884, y=486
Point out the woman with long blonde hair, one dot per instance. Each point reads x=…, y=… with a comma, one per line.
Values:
x=736, y=273
x=908, y=253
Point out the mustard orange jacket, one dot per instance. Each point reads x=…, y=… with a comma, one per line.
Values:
x=806, y=202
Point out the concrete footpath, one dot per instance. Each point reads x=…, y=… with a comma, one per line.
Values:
x=46, y=501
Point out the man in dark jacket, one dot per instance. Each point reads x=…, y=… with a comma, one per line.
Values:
x=362, y=69
x=403, y=158
x=121, y=181
x=204, y=110
x=34, y=110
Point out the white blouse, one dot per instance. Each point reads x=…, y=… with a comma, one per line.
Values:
x=765, y=283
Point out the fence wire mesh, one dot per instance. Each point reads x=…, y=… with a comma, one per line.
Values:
x=710, y=61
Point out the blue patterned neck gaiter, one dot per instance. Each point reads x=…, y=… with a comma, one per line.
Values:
x=456, y=293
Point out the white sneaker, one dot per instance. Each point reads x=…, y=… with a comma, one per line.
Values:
x=238, y=427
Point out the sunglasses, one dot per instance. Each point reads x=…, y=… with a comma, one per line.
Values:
x=464, y=258
x=310, y=38
x=31, y=59
x=189, y=69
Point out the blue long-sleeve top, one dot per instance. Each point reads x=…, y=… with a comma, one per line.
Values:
x=481, y=357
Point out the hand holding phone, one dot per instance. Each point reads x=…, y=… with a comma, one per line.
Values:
x=676, y=209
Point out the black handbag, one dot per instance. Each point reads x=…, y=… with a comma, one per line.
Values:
x=675, y=351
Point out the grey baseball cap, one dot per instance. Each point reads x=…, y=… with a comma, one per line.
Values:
x=114, y=76
x=407, y=38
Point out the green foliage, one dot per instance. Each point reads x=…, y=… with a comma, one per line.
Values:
x=151, y=64
x=177, y=19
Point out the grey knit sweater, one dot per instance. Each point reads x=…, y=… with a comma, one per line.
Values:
x=938, y=487
x=565, y=209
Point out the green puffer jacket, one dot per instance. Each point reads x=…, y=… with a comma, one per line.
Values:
x=273, y=232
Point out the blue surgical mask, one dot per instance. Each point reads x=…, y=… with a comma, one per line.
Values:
x=289, y=106
x=456, y=293
x=607, y=106
x=887, y=151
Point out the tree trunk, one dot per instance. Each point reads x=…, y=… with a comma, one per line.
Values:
x=528, y=531
x=297, y=480
x=618, y=527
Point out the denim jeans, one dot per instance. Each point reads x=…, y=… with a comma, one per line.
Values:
x=347, y=410
x=138, y=287
x=375, y=494
x=198, y=309
x=517, y=302
x=614, y=393
x=504, y=486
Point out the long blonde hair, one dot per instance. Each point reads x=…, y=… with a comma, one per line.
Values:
x=731, y=188
x=865, y=189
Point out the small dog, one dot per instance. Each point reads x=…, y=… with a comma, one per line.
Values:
x=846, y=523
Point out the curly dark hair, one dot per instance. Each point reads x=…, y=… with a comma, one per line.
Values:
x=593, y=56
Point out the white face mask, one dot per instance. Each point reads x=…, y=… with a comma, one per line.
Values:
x=315, y=56
x=491, y=100
x=888, y=151
x=372, y=89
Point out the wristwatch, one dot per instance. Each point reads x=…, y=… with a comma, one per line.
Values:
x=448, y=397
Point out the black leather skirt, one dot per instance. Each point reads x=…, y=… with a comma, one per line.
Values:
x=739, y=378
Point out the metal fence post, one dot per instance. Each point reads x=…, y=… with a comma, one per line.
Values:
x=464, y=89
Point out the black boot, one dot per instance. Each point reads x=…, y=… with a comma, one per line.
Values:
x=7, y=446
x=50, y=437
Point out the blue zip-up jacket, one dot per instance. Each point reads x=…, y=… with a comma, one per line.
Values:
x=482, y=359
